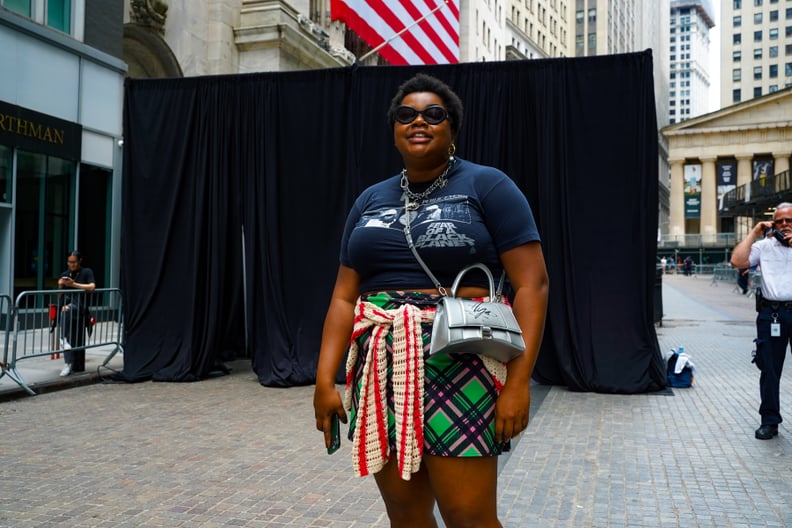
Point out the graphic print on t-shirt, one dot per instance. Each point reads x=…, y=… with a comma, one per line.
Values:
x=379, y=218
x=436, y=223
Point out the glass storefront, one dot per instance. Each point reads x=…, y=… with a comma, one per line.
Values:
x=44, y=190
x=47, y=219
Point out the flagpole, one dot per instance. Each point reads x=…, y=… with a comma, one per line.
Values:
x=406, y=28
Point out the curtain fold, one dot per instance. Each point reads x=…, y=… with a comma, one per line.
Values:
x=282, y=156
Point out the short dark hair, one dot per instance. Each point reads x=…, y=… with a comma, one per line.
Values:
x=76, y=254
x=422, y=82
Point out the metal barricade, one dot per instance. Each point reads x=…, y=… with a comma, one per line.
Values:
x=37, y=328
x=703, y=269
x=724, y=273
x=6, y=309
x=754, y=283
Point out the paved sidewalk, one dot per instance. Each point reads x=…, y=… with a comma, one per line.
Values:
x=228, y=452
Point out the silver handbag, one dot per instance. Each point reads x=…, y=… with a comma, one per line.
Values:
x=465, y=326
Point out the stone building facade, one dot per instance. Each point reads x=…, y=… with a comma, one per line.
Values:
x=728, y=169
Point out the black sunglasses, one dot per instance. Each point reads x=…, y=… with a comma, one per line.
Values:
x=434, y=114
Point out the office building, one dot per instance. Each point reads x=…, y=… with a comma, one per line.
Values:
x=756, y=48
x=689, y=55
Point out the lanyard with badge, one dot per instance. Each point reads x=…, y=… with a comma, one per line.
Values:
x=775, y=326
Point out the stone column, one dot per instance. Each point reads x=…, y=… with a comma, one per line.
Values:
x=744, y=173
x=709, y=201
x=781, y=162
x=676, y=218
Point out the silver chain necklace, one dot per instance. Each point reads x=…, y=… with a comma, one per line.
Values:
x=417, y=198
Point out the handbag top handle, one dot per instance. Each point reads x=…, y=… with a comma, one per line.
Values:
x=477, y=265
x=493, y=295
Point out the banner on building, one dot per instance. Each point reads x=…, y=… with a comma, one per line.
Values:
x=727, y=178
x=432, y=40
x=692, y=188
x=762, y=169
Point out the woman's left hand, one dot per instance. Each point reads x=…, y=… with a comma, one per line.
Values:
x=512, y=411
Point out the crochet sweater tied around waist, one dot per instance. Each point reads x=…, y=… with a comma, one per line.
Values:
x=370, y=447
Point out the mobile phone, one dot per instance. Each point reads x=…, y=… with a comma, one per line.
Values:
x=780, y=237
x=335, y=435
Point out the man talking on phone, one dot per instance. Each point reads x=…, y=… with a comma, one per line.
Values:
x=74, y=311
x=767, y=245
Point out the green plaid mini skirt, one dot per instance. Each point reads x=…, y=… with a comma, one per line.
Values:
x=459, y=392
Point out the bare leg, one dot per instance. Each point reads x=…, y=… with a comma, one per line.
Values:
x=465, y=489
x=409, y=503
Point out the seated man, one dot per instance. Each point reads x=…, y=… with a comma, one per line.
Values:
x=74, y=312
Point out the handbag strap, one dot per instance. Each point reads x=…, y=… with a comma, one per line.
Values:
x=437, y=284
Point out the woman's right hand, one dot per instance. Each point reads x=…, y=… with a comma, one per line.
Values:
x=327, y=403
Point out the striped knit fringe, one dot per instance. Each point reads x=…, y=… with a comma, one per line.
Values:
x=370, y=448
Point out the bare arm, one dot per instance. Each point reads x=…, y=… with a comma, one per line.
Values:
x=742, y=251
x=335, y=340
x=528, y=275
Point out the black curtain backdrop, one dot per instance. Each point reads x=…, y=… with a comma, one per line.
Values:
x=248, y=178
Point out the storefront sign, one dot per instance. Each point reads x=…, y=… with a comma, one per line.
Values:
x=37, y=132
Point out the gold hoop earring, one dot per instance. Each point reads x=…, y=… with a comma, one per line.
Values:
x=451, y=151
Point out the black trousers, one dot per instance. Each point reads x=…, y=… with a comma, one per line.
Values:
x=72, y=323
x=770, y=355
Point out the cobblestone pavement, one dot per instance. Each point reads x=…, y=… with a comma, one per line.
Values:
x=228, y=452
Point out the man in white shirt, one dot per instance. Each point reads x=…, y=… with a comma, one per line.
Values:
x=774, y=319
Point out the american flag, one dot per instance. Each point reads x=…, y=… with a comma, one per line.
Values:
x=434, y=40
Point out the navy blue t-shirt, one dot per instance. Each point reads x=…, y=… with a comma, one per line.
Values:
x=477, y=216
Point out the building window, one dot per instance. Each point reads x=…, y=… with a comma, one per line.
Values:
x=737, y=21
x=758, y=53
x=59, y=15
x=736, y=74
x=53, y=13
x=579, y=16
x=773, y=15
x=788, y=50
x=773, y=88
x=737, y=4
x=737, y=38
x=758, y=36
x=788, y=31
x=757, y=2
x=23, y=7
x=757, y=72
x=737, y=56
x=592, y=16
x=788, y=13
x=774, y=51
x=757, y=18
x=757, y=91
x=788, y=69
x=736, y=95
x=772, y=71
x=773, y=34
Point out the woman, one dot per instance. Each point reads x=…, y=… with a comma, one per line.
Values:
x=432, y=439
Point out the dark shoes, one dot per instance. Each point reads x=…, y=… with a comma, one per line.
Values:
x=766, y=432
